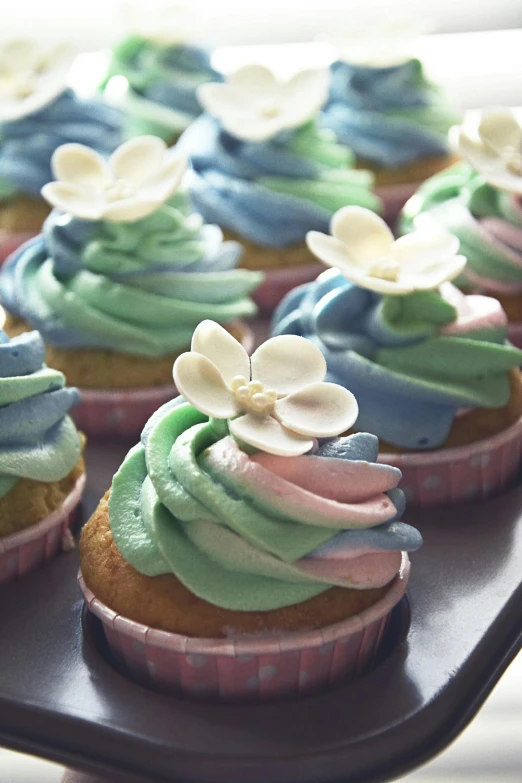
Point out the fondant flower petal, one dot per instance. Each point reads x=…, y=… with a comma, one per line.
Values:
x=82, y=166
x=73, y=199
x=475, y=152
x=320, y=410
x=436, y=275
x=254, y=77
x=224, y=351
x=288, y=363
x=419, y=250
x=138, y=159
x=305, y=94
x=365, y=234
x=220, y=100
x=333, y=252
x=499, y=129
x=168, y=179
x=201, y=383
x=16, y=56
x=381, y=286
x=268, y=435
x=127, y=210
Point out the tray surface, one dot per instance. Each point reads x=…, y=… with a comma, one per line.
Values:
x=60, y=698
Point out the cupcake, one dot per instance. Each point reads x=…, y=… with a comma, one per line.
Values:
x=266, y=173
x=41, y=468
x=122, y=274
x=234, y=557
x=38, y=113
x=385, y=108
x=480, y=201
x=154, y=73
x=436, y=380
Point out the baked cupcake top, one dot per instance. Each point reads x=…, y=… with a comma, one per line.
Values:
x=480, y=200
x=262, y=166
x=232, y=493
x=38, y=440
x=383, y=106
x=38, y=113
x=123, y=262
x=392, y=328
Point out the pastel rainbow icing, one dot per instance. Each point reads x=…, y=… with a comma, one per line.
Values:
x=487, y=221
x=389, y=116
x=413, y=362
x=254, y=531
x=138, y=287
x=38, y=440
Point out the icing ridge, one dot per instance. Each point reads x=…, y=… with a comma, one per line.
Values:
x=188, y=501
x=37, y=439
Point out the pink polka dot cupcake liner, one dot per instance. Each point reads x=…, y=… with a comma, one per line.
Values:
x=124, y=412
x=249, y=669
x=394, y=197
x=30, y=548
x=465, y=473
x=11, y=241
x=515, y=333
x=279, y=282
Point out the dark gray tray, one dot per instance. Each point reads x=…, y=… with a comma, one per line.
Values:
x=60, y=698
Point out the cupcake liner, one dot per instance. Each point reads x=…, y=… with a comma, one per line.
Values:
x=476, y=471
x=278, y=282
x=11, y=241
x=515, y=333
x=106, y=413
x=394, y=197
x=250, y=668
x=30, y=548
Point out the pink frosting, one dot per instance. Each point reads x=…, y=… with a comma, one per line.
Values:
x=473, y=312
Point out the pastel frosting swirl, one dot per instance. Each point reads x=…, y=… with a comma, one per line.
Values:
x=272, y=192
x=37, y=439
x=27, y=144
x=389, y=116
x=138, y=288
x=165, y=75
x=413, y=362
x=487, y=221
x=255, y=532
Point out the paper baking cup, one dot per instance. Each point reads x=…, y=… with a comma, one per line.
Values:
x=515, y=333
x=108, y=413
x=278, y=282
x=465, y=473
x=248, y=668
x=32, y=547
x=11, y=241
x=394, y=197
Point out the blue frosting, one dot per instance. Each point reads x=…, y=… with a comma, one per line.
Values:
x=389, y=116
x=27, y=144
x=411, y=404
x=230, y=184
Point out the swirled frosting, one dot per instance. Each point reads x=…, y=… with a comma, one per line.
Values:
x=27, y=144
x=389, y=116
x=412, y=361
x=487, y=221
x=138, y=288
x=165, y=75
x=254, y=531
x=272, y=192
x=37, y=439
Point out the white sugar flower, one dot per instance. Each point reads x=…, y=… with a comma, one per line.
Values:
x=165, y=23
x=363, y=249
x=491, y=142
x=276, y=400
x=136, y=180
x=253, y=105
x=382, y=45
x=31, y=77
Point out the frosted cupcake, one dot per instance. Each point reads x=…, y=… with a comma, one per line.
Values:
x=248, y=561
x=154, y=73
x=122, y=274
x=383, y=106
x=41, y=467
x=436, y=380
x=480, y=201
x=38, y=113
x=266, y=173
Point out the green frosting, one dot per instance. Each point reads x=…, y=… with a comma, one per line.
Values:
x=453, y=198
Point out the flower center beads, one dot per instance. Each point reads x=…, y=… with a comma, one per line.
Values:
x=119, y=189
x=385, y=269
x=270, y=110
x=252, y=396
x=513, y=158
